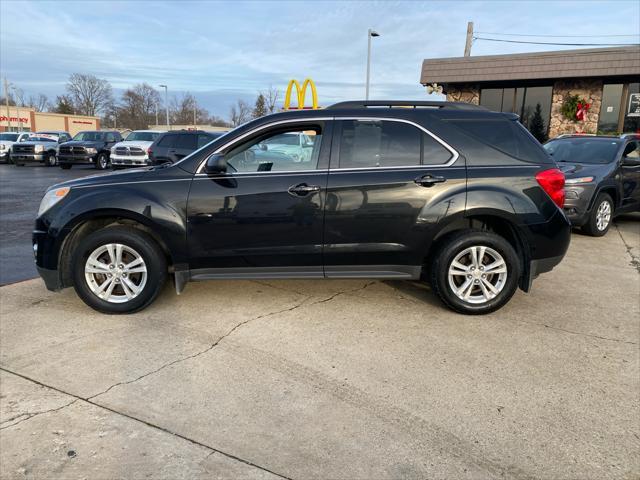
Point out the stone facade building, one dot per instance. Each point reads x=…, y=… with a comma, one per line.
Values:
x=608, y=79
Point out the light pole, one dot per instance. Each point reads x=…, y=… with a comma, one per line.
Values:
x=15, y=91
x=156, y=114
x=370, y=34
x=166, y=101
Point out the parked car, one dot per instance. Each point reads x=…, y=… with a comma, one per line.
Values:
x=7, y=139
x=298, y=146
x=89, y=147
x=175, y=145
x=450, y=193
x=133, y=151
x=38, y=147
x=602, y=178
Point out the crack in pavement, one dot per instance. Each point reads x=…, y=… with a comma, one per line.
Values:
x=236, y=327
x=139, y=420
x=577, y=333
x=31, y=415
x=635, y=262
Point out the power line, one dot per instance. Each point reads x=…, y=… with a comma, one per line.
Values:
x=554, y=43
x=555, y=36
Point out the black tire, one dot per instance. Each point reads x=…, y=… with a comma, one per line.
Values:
x=102, y=161
x=65, y=166
x=51, y=160
x=456, y=244
x=137, y=240
x=591, y=227
x=19, y=164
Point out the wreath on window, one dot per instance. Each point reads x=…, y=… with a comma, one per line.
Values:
x=575, y=108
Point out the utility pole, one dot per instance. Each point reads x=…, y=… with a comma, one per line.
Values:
x=467, y=45
x=195, y=106
x=156, y=114
x=166, y=101
x=370, y=34
x=6, y=98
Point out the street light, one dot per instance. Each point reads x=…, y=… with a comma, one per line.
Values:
x=370, y=34
x=166, y=101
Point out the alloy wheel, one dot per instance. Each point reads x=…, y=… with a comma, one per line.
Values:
x=477, y=274
x=603, y=215
x=115, y=273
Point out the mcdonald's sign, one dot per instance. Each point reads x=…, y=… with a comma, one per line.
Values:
x=301, y=94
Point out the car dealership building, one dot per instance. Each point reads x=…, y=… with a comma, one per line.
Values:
x=23, y=119
x=607, y=79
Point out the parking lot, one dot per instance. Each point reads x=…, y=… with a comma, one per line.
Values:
x=320, y=379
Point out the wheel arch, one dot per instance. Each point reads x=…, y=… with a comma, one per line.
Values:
x=495, y=222
x=87, y=224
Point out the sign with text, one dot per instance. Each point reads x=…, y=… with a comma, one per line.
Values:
x=634, y=105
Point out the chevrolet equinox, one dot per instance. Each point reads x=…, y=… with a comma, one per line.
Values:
x=449, y=193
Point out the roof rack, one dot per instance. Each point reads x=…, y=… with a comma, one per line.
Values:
x=404, y=104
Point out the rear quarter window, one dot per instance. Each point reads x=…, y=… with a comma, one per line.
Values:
x=167, y=141
x=507, y=136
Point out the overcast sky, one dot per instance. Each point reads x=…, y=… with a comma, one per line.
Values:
x=221, y=51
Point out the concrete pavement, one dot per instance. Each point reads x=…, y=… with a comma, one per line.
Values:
x=330, y=379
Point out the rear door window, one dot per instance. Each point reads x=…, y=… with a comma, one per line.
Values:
x=508, y=136
x=381, y=143
x=204, y=139
x=168, y=141
x=186, y=141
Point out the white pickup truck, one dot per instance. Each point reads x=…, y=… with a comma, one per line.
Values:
x=7, y=139
x=133, y=151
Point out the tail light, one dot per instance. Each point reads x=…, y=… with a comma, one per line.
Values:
x=552, y=182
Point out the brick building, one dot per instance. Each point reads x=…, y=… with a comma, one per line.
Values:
x=23, y=119
x=607, y=78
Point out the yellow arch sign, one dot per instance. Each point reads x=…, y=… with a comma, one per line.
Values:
x=301, y=94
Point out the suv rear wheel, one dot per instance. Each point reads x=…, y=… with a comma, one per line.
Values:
x=600, y=216
x=118, y=270
x=475, y=272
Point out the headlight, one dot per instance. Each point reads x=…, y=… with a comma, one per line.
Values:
x=574, y=181
x=91, y=150
x=38, y=148
x=51, y=198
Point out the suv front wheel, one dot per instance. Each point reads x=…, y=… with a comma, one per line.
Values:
x=118, y=270
x=475, y=272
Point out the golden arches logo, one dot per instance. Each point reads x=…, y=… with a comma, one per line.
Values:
x=301, y=94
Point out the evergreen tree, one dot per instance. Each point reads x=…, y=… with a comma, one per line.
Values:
x=260, y=110
x=64, y=104
x=536, y=126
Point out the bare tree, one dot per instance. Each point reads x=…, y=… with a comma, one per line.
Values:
x=240, y=113
x=91, y=95
x=40, y=103
x=19, y=94
x=271, y=98
x=137, y=107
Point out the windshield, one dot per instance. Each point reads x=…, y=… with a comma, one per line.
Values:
x=41, y=139
x=283, y=140
x=142, y=136
x=583, y=150
x=89, y=136
x=11, y=137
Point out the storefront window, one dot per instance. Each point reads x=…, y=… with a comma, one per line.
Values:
x=524, y=101
x=610, y=109
x=631, y=105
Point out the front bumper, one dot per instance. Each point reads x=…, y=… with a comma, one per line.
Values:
x=46, y=263
x=27, y=157
x=130, y=161
x=77, y=159
x=576, y=204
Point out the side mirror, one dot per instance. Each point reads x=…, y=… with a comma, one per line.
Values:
x=630, y=161
x=216, y=164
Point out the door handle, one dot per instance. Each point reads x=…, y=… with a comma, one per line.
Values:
x=429, y=180
x=303, y=189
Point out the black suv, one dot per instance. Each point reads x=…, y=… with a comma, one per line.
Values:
x=173, y=146
x=603, y=178
x=90, y=147
x=447, y=192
